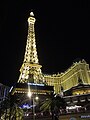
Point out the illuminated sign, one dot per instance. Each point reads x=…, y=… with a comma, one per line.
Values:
x=36, y=84
x=85, y=116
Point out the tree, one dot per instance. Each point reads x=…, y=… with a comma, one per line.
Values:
x=15, y=113
x=10, y=110
x=53, y=104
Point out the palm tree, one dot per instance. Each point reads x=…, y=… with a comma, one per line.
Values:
x=53, y=104
x=15, y=113
x=10, y=110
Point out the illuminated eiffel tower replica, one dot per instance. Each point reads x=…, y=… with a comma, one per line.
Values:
x=31, y=77
x=31, y=70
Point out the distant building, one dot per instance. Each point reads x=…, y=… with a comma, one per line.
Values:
x=69, y=78
x=78, y=95
x=78, y=102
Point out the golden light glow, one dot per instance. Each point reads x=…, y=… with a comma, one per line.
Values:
x=29, y=94
x=36, y=97
x=31, y=14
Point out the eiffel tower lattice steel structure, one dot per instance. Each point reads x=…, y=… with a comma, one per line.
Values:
x=30, y=71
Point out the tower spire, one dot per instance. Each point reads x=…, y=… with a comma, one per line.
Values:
x=30, y=70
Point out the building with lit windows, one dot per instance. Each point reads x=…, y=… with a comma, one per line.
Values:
x=74, y=86
x=69, y=78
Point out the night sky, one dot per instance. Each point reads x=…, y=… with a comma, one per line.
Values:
x=62, y=32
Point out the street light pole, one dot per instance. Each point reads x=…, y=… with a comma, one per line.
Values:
x=36, y=98
x=33, y=109
x=33, y=106
x=33, y=102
